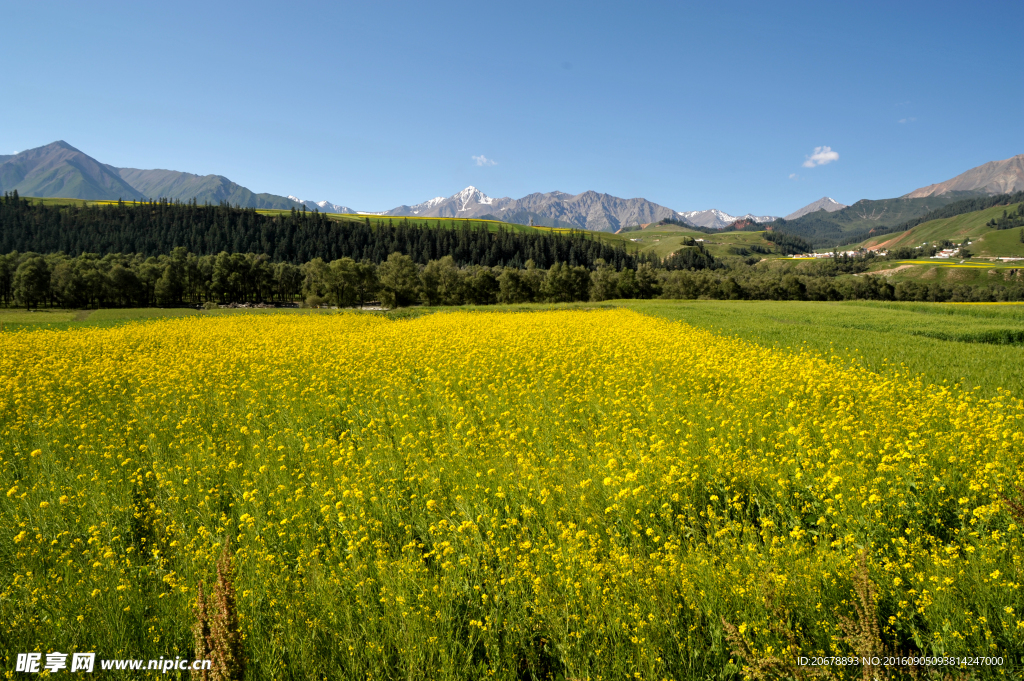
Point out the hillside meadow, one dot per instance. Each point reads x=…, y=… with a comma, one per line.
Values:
x=985, y=241
x=553, y=494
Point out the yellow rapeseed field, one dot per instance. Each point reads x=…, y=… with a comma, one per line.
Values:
x=584, y=494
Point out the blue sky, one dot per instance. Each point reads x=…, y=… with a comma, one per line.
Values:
x=371, y=105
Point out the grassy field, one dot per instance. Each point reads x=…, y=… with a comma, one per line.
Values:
x=663, y=240
x=972, y=272
x=557, y=494
x=17, y=320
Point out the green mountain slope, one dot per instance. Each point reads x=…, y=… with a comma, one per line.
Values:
x=58, y=169
x=212, y=189
x=985, y=241
x=855, y=222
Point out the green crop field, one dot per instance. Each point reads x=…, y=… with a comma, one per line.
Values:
x=66, y=202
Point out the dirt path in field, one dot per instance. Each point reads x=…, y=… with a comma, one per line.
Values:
x=886, y=273
x=82, y=315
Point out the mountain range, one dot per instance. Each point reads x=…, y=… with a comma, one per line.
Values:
x=589, y=210
x=322, y=206
x=60, y=170
x=716, y=219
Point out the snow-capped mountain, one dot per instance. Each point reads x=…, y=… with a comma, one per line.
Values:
x=717, y=219
x=825, y=203
x=322, y=206
x=469, y=203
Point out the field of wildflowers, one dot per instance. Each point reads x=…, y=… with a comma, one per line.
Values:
x=574, y=494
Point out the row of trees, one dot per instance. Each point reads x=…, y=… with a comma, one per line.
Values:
x=183, y=278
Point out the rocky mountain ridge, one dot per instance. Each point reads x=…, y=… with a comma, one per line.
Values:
x=995, y=177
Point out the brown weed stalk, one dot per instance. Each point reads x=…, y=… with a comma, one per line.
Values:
x=201, y=631
x=216, y=632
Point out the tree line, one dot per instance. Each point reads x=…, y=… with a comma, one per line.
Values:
x=184, y=278
x=156, y=227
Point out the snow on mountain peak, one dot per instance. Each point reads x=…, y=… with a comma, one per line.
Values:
x=717, y=219
x=322, y=206
x=426, y=205
x=469, y=194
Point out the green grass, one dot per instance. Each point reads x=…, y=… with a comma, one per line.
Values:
x=21, y=317
x=664, y=240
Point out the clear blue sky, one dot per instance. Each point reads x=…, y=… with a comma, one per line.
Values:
x=371, y=105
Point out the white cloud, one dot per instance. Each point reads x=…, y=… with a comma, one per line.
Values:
x=482, y=160
x=907, y=120
x=792, y=176
x=821, y=156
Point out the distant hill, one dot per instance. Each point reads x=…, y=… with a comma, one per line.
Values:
x=826, y=203
x=986, y=240
x=212, y=189
x=995, y=177
x=58, y=169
